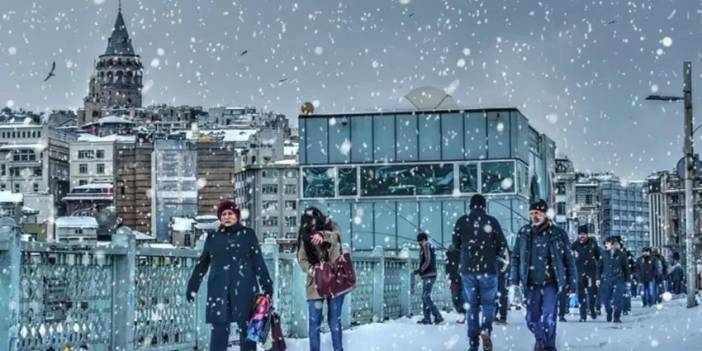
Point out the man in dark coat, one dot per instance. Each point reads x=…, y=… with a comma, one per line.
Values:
x=614, y=275
x=453, y=257
x=427, y=271
x=661, y=274
x=480, y=239
x=646, y=272
x=233, y=257
x=543, y=265
x=676, y=275
x=587, y=260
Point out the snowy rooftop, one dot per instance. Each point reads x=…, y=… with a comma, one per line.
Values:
x=76, y=222
x=10, y=197
x=23, y=146
x=229, y=134
x=109, y=138
x=288, y=162
x=104, y=185
x=182, y=224
x=111, y=120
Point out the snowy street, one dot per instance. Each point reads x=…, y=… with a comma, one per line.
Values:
x=669, y=326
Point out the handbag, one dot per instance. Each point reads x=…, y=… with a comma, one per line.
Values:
x=335, y=278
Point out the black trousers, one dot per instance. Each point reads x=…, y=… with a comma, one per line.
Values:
x=502, y=296
x=563, y=304
x=219, y=338
x=587, y=296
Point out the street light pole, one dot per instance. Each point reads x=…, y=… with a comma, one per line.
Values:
x=689, y=200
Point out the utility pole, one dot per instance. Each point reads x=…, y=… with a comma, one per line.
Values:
x=690, y=173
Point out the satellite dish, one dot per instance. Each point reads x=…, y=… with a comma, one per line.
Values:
x=307, y=108
x=430, y=98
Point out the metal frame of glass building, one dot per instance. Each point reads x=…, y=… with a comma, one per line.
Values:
x=386, y=176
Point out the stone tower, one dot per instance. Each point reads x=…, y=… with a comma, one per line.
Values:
x=117, y=80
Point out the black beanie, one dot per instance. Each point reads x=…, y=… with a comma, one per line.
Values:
x=582, y=229
x=422, y=236
x=478, y=201
x=539, y=205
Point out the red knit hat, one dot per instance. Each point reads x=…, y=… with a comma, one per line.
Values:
x=228, y=205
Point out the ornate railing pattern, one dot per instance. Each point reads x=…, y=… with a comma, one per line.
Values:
x=120, y=296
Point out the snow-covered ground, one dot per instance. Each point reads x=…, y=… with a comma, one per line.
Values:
x=667, y=327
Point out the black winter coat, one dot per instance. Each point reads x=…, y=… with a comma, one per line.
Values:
x=558, y=249
x=615, y=267
x=587, y=258
x=646, y=269
x=427, y=261
x=234, y=259
x=479, y=238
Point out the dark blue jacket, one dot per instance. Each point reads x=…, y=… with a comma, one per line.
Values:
x=479, y=238
x=646, y=269
x=587, y=258
x=427, y=261
x=559, y=250
x=615, y=267
x=234, y=259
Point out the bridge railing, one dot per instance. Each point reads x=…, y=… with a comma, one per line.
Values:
x=121, y=296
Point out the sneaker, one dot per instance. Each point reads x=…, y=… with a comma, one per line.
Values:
x=461, y=318
x=438, y=320
x=582, y=320
x=593, y=316
x=423, y=321
x=562, y=319
x=617, y=320
x=487, y=343
x=501, y=321
x=609, y=317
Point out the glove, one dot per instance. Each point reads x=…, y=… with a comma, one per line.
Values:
x=416, y=271
x=190, y=296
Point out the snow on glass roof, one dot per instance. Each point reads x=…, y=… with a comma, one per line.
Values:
x=8, y=196
x=76, y=222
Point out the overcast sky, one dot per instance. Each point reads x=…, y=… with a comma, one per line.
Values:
x=579, y=70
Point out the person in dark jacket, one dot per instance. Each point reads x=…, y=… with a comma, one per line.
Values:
x=661, y=274
x=631, y=264
x=318, y=241
x=676, y=275
x=502, y=289
x=480, y=239
x=235, y=262
x=614, y=275
x=646, y=272
x=453, y=257
x=427, y=271
x=587, y=260
x=543, y=265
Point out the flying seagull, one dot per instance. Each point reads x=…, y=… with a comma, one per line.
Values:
x=411, y=14
x=244, y=52
x=282, y=80
x=51, y=74
x=611, y=22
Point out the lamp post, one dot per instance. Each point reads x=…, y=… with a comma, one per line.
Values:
x=689, y=173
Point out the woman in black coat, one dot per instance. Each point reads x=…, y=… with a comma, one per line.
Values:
x=233, y=256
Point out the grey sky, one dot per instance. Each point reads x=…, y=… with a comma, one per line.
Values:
x=579, y=70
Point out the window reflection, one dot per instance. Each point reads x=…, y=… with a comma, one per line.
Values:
x=347, y=181
x=497, y=177
x=318, y=182
x=469, y=178
x=407, y=180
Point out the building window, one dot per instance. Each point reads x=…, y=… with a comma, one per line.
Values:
x=3, y=186
x=560, y=208
x=17, y=187
x=82, y=182
x=37, y=171
x=186, y=240
x=270, y=205
x=291, y=221
x=318, y=182
x=347, y=182
x=24, y=155
x=270, y=173
x=468, y=181
x=100, y=168
x=86, y=154
x=83, y=168
x=3, y=170
x=588, y=199
x=35, y=187
x=269, y=189
x=100, y=154
x=291, y=205
x=271, y=221
x=408, y=180
x=290, y=189
x=497, y=177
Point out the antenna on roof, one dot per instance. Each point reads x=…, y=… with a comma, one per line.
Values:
x=119, y=6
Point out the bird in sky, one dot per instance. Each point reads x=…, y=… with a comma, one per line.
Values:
x=51, y=73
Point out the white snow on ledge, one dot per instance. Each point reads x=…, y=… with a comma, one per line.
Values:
x=76, y=222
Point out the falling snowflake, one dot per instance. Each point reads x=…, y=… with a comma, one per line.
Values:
x=667, y=41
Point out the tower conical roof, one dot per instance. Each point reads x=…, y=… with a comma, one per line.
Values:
x=119, y=42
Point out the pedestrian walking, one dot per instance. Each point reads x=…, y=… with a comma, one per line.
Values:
x=646, y=272
x=502, y=288
x=614, y=275
x=319, y=242
x=427, y=272
x=235, y=262
x=661, y=274
x=480, y=239
x=587, y=260
x=631, y=264
x=676, y=275
x=543, y=265
x=453, y=257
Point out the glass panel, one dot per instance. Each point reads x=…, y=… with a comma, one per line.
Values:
x=468, y=181
x=502, y=211
x=303, y=145
x=407, y=223
x=452, y=211
x=384, y=138
x=452, y=136
x=475, y=143
x=407, y=180
x=318, y=182
x=497, y=177
x=341, y=214
x=385, y=231
x=498, y=134
x=362, y=226
x=430, y=213
x=339, y=142
x=406, y=138
x=347, y=181
x=429, y=137
x=316, y=140
x=362, y=138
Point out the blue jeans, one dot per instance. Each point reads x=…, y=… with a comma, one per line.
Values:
x=613, y=297
x=428, y=306
x=480, y=290
x=541, y=314
x=649, y=293
x=333, y=318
